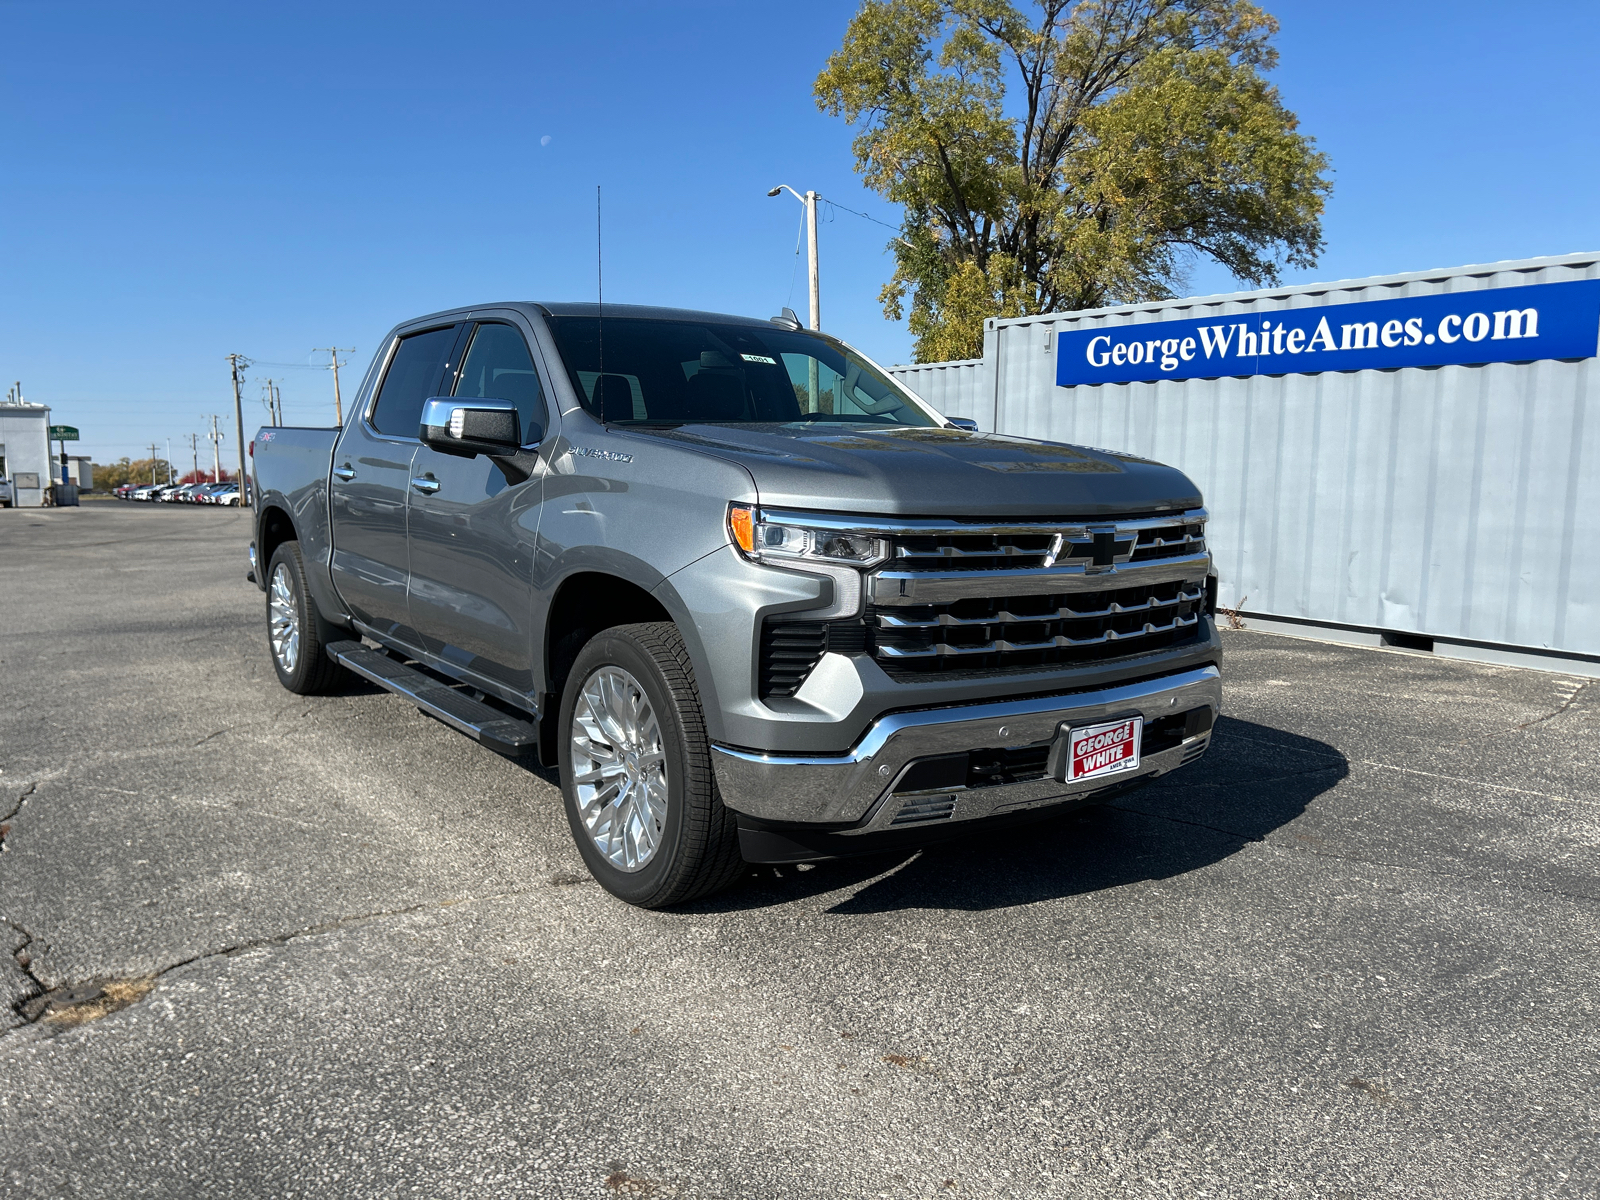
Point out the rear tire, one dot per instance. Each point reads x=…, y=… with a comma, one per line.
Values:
x=297, y=636
x=631, y=718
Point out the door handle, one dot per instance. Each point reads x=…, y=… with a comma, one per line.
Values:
x=345, y=473
x=426, y=484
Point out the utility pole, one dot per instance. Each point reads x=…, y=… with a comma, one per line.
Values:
x=194, y=452
x=813, y=380
x=238, y=362
x=334, y=364
x=216, y=454
x=274, y=402
x=152, y=464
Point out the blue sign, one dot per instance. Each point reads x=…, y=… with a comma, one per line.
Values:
x=1514, y=324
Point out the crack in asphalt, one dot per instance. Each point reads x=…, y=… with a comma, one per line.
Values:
x=1530, y=723
x=20, y=954
x=24, y=961
x=279, y=939
x=6, y=819
x=1550, y=716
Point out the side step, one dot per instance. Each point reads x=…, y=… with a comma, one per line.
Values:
x=495, y=729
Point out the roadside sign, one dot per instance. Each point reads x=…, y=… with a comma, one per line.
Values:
x=63, y=433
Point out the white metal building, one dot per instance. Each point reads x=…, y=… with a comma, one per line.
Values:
x=1409, y=460
x=25, y=452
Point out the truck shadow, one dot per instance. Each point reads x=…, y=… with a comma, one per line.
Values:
x=1253, y=780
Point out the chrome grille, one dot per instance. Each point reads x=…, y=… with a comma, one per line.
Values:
x=964, y=596
x=959, y=596
x=1020, y=632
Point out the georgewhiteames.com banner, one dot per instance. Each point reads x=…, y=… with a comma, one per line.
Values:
x=1514, y=324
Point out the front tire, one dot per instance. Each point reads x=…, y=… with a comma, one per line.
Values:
x=636, y=770
x=297, y=635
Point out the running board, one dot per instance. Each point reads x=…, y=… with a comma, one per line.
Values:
x=497, y=730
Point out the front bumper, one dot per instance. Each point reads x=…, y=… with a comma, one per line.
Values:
x=860, y=792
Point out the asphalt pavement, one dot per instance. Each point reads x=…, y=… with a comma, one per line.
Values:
x=265, y=945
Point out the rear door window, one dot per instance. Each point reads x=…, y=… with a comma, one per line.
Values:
x=498, y=366
x=412, y=376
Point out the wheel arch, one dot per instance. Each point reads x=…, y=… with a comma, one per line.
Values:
x=586, y=603
x=274, y=526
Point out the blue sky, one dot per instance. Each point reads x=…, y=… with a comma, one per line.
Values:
x=186, y=180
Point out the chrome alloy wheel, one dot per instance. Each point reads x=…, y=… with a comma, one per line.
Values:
x=619, y=769
x=283, y=620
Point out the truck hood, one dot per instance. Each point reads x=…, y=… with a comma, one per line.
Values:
x=909, y=471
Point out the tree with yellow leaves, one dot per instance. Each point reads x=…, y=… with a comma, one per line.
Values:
x=1082, y=158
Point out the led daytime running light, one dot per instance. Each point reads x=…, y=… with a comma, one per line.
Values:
x=766, y=537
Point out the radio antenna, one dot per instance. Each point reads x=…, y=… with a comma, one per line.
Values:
x=600, y=306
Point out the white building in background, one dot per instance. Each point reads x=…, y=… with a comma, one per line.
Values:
x=25, y=452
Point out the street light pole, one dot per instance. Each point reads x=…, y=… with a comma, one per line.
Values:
x=810, y=201
x=811, y=252
x=813, y=374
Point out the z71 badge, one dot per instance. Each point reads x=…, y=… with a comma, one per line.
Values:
x=608, y=455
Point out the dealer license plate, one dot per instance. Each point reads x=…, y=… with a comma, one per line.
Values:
x=1107, y=749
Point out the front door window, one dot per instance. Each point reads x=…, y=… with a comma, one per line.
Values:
x=498, y=366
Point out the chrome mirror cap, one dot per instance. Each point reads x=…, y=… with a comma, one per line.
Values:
x=468, y=426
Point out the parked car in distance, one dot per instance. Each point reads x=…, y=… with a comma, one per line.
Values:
x=5, y=492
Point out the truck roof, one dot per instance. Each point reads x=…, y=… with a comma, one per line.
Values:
x=585, y=308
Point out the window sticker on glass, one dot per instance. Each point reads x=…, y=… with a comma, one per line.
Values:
x=760, y=358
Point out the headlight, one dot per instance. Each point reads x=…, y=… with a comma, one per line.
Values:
x=841, y=555
x=766, y=537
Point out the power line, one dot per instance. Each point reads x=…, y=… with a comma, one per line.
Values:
x=862, y=215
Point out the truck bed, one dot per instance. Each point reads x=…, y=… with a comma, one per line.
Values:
x=291, y=471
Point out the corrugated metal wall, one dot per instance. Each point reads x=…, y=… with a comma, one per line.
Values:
x=1453, y=502
x=957, y=389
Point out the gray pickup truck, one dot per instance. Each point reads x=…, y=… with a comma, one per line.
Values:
x=755, y=600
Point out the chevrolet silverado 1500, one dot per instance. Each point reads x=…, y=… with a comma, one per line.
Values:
x=755, y=600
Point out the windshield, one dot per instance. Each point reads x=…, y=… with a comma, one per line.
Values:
x=675, y=372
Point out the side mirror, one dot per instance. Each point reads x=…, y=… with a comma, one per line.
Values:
x=467, y=426
x=966, y=423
